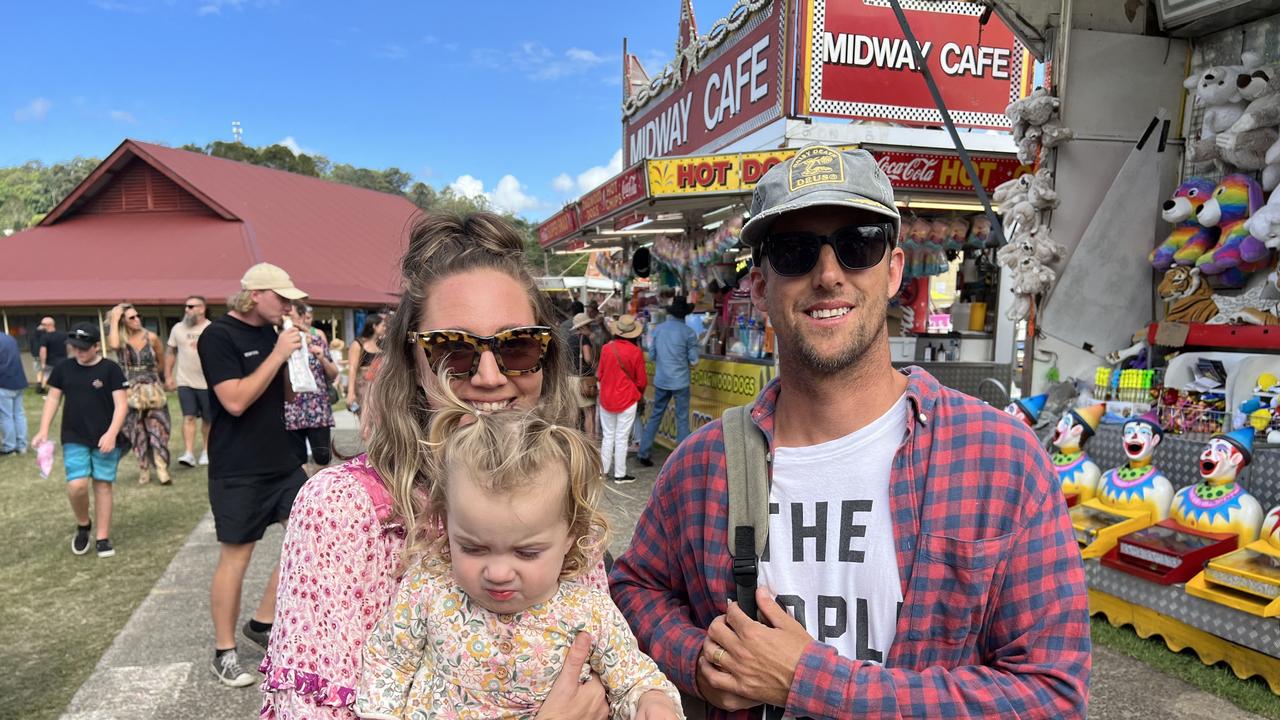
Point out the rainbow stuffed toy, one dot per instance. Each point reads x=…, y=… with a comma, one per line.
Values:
x=1238, y=252
x=1189, y=239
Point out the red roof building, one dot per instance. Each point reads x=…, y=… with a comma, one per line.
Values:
x=153, y=225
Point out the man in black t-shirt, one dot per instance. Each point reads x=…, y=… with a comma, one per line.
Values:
x=253, y=472
x=53, y=350
x=95, y=391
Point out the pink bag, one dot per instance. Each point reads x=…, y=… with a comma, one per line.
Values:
x=44, y=458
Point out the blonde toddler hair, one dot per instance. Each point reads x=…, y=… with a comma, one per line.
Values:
x=503, y=453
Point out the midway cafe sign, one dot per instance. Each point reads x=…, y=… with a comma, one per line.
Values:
x=858, y=64
x=739, y=172
x=737, y=89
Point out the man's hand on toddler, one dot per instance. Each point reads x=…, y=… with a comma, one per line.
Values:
x=569, y=697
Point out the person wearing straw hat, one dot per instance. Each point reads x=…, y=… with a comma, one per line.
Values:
x=920, y=560
x=582, y=357
x=622, y=382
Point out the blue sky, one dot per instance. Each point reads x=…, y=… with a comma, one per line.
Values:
x=519, y=100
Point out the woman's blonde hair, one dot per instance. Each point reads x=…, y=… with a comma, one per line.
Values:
x=504, y=453
x=121, y=326
x=397, y=412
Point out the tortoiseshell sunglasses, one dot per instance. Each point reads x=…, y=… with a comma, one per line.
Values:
x=518, y=351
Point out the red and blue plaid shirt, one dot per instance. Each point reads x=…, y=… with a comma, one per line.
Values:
x=994, y=620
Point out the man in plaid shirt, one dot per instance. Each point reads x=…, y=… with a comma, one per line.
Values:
x=920, y=562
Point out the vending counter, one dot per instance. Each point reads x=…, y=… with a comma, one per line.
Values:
x=717, y=382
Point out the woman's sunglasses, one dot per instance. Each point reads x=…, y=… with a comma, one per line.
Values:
x=518, y=351
x=857, y=247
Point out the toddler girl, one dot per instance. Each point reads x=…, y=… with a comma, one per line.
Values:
x=482, y=623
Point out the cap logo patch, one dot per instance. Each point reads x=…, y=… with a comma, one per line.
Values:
x=816, y=165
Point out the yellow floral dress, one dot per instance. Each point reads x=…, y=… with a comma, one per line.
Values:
x=437, y=654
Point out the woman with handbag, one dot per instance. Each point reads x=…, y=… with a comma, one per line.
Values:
x=364, y=359
x=622, y=383
x=308, y=416
x=147, y=425
x=582, y=356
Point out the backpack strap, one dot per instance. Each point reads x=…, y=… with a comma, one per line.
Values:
x=747, y=463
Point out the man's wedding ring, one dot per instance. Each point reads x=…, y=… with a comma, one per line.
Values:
x=717, y=656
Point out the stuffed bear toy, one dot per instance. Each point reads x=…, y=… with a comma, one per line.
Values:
x=1011, y=191
x=1264, y=224
x=1030, y=278
x=1189, y=239
x=1040, y=192
x=1238, y=253
x=1034, y=109
x=1029, y=146
x=1216, y=91
x=1054, y=133
x=1244, y=145
x=1248, y=136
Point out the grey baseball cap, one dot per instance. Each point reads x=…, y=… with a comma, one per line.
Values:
x=818, y=175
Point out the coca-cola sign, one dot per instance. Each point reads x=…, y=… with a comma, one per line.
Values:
x=618, y=193
x=931, y=171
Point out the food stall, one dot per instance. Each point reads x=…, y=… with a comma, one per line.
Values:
x=744, y=97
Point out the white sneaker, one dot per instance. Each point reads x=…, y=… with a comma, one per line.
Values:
x=187, y=459
x=204, y=458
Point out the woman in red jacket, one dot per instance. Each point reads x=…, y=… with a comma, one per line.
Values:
x=622, y=382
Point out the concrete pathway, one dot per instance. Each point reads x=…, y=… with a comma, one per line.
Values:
x=158, y=668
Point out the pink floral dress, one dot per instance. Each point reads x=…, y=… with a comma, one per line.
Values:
x=339, y=570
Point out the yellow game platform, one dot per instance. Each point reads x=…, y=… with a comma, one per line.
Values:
x=1099, y=526
x=1247, y=579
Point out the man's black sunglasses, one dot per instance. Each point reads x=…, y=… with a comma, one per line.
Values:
x=857, y=247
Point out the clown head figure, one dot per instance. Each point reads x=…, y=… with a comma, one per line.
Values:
x=1076, y=427
x=1141, y=436
x=1027, y=409
x=1225, y=456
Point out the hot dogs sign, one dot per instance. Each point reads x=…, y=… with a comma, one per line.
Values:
x=857, y=63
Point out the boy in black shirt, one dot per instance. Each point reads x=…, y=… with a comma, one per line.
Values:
x=253, y=472
x=95, y=411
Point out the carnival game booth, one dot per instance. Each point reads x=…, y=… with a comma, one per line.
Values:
x=744, y=97
x=1165, y=305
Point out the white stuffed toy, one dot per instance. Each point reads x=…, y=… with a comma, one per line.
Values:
x=1034, y=109
x=1244, y=145
x=1030, y=278
x=1054, y=133
x=1040, y=193
x=1012, y=191
x=1264, y=224
x=1216, y=90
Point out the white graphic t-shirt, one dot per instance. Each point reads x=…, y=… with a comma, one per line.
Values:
x=831, y=559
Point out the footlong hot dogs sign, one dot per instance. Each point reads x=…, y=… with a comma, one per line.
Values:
x=856, y=63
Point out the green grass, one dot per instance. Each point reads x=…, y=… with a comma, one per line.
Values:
x=1252, y=695
x=59, y=612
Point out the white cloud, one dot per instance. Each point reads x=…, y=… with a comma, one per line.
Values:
x=467, y=186
x=537, y=62
x=209, y=10
x=562, y=183
x=508, y=196
x=35, y=110
x=590, y=178
x=294, y=147
x=123, y=116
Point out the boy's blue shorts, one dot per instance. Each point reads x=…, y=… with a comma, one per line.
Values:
x=82, y=461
